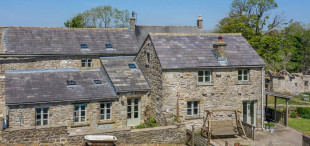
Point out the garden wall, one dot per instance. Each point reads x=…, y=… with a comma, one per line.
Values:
x=59, y=135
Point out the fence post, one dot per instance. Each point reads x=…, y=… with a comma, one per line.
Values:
x=193, y=135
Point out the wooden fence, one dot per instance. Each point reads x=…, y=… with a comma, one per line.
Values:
x=249, y=130
x=198, y=140
x=305, y=140
x=281, y=118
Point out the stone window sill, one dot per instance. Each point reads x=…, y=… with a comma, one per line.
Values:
x=106, y=122
x=80, y=125
x=205, y=84
x=243, y=83
x=192, y=117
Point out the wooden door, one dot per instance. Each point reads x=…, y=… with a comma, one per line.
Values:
x=133, y=111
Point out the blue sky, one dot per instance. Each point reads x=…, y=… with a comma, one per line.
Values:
x=52, y=13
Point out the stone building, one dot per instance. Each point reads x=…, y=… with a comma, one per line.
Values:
x=203, y=72
x=96, y=80
x=289, y=83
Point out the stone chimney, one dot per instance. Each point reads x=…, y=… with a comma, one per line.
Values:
x=132, y=21
x=199, y=22
x=220, y=49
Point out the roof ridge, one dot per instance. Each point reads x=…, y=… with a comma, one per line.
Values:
x=69, y=28
x=193, y=34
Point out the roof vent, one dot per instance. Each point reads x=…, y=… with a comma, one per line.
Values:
x=84, y=46
x=97, y=82
x=132, y=66
x=71, y=82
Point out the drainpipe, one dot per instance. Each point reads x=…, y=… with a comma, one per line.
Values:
x=262, y=104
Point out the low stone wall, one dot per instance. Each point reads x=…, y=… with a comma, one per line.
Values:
x=59, y=135
x=305, y=140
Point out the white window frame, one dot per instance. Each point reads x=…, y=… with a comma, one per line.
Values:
x=192, y=108
x=204, y=75
x=243, y=75
x=80, y=111
x=86, y=61
x=42, y=116
x=105, y=111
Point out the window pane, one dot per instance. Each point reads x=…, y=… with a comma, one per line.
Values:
x=136, y=101
x=38, y=122
x=89, y=64
x=136, y=108
x=245, y=72
x=239, y=72
x=245, y=78
x=45, y=122
x=108, y=105
x=45, y=116
x=82, y=119
x=195, y=104
x=82, y=113
x=195, y=111
x=200, y=73
x=83, y=107
x=38, y=110
x=208, y=73
x=102, y=117
x=76, y=107
x=200, y=79
x=83, y=64
x=38, y=116
x=239, y=78
x=45, y=110
x=101, y=105
x=129, y=115
x=189, y=104
x=207, y=79
x=76, y=119
x=128, y=108
x=108, y=111
x=189, y=111
x=102, y=111
x=108, y=116
x=136, y=114
x=128, y=101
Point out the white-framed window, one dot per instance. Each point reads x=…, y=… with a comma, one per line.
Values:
x=79, y=113
x=86, y=62
x=41, y=116
x=105, y=111
x=192, y=108
x=243, y=75
x=204, y=76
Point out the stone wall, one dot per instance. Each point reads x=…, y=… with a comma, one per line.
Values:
x=61, y=114
x=152, y=72
x=292, y=85
x=224, y=92
x=59, y=135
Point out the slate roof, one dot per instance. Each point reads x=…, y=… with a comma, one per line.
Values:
x=35, y=86
x=195, y=50
x=142, y=31
x=124, y=78
x=67, y=41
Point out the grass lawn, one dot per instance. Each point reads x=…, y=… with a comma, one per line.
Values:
x=300, y=124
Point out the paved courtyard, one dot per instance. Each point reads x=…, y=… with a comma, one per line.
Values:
x=283, y=136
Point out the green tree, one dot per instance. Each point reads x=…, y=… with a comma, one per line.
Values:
x=100, y=17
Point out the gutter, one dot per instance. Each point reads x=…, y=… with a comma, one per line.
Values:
x=262, y=104
x=258, y=66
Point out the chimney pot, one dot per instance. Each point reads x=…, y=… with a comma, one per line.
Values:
x=220, y=38
x=199, y=22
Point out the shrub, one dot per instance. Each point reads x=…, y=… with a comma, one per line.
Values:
x=306, y=116
x=198, y=133
x=175, y=118
x=270, y=124
x=293, y=114
x=141, y=126
x=151, y=122
x=303, y=110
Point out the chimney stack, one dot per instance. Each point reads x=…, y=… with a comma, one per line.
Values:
x=199, y=22
x=220, y=49
x=132, y=21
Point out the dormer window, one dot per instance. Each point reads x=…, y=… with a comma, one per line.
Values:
x=86, y=62
x=84, y=46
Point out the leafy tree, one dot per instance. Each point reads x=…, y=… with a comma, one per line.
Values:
x=100, y=17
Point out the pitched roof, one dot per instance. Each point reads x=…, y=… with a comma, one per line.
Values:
x=195, y=50
x=141, y=31
x=35, y=86
x=36, y=40
x=122, y=76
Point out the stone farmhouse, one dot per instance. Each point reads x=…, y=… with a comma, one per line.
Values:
x=93, y=80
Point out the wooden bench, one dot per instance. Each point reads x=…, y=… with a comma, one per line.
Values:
x=222, y=128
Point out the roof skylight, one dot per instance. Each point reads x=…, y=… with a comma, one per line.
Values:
x=132, y=66
x=71, y=82
x=84, y=46
x=97, y=82
x=108, y=45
